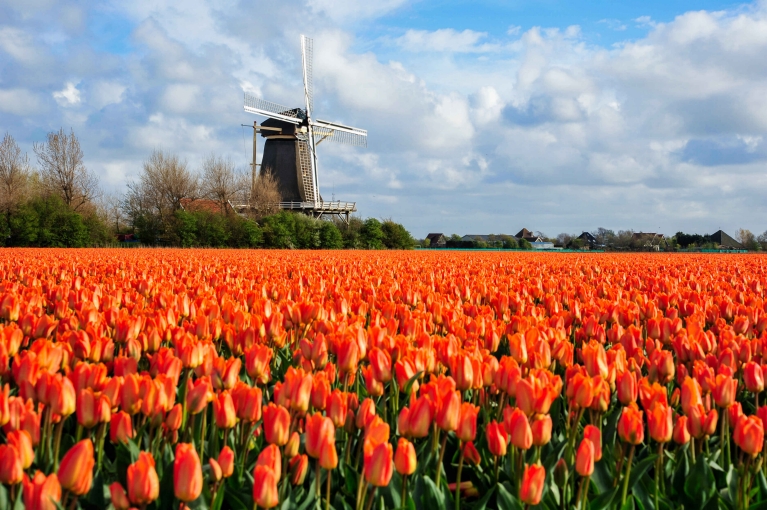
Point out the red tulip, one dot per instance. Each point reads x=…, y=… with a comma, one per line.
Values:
x=41, y=492
x=584, y=459
x=630, y=425
x=404, y=458
x=531, y=489
x=143, y=483
x=76, y=469
x=265, y=487
x=187, y=473
x=749, y=435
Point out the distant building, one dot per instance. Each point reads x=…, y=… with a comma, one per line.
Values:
x=528, y=236
x=725, y=242
x=127, y=238
x=589, y=241
x=543, y=245
x=649, y=240
x=437, y=240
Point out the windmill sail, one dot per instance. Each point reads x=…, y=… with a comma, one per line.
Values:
x=324, y=130
x=268, y=109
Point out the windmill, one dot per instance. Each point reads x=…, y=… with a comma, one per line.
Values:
x=292, y=136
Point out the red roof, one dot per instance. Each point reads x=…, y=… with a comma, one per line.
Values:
x=200, y=204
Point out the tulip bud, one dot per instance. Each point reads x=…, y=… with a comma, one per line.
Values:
x=187, y=473
x=594, y=435
x=215, y=470
x=118, y=496
x=76, y=469
x=631, y=426
x=561, y=473
x=22, y=443
x=449, y=411
x=143, y=483
x=518, y=428
x=41, y=492
x=319, y=430
x=276, y=424
x=496, y=439
x=173, y=419
x=420, y=417
x=378, y=465
x=265, y=487
x=298, y=467
x=753, y=377
x=11, y=468
x=749, y=435
x=541, y=428
x=328, y=454
x=584, y=459
x=627, y=387
x=120, y=427
x=467, y=423
x=223, y=410
x=405, y=460
x=470, y=454
x=531, y=489
x=681, y=433
x=271, y=458
x=226, y=461
x=291, y=448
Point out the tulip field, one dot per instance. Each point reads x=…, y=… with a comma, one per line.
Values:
x=215, y=379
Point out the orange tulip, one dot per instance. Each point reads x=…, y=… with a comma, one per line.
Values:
x=724, y=391
x=76, y=469
x=187, y=473
x=337, y=408
x=467, y=423
x=118, y=496
x=541, y=428
x=276, y=424
x=594, y=435
x=690, y=394
x=22, y=443
x=226, y=461
x=265, y=487
x=11, y=467
x=496, y=439
x=753, y=377
x=659, y=423
x=471, y=454
x=627, y=387
x=584, y=459
x=299, y=466
x=380, y=363
x=681, y=432
x=630, y=425
x=701, y=423
x=749, y=435
x=405, y=460
x=120, y=427
x=449, y=411
x=328, y=454
x=518, y=428
x=378, y=465
x=271, y=458
x=41, y=492
x=319, y=430
x=531, y=489
x=223, y=410
x=420, y=417
x=143, y=483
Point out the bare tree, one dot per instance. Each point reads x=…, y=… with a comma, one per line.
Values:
x=220, y=181
x=112, y=207
x=166, y=181
x=265, y=197
x=747, y=239
x=62, y=171
x=14, y=175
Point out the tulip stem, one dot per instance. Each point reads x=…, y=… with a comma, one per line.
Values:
x=202, y=432
x=327, y=491
x=100, y=434
x=183, y=391
x=57, y=443
x=441, y=456
x=495, y=467
x=403, y=497
x=317, y=478
x=628, y=475
x=369, y=504
x=458, y=478
x=658, y=465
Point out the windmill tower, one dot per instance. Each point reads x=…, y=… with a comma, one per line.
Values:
x=292, y=136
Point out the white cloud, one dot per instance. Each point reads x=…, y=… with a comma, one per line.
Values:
x=444, y=40
x=68, y=96
x=19, y=102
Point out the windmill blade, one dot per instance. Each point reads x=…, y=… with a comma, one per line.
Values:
x=331, y=131
x=307, y=57
x=273, y=110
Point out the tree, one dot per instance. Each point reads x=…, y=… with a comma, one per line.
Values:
x=564, y=238
x=525, y=244
x=14, y=176
x=763, y=240
x=265, y=197
x=62, y=172
x=747, y=239
x=330, y=236
x=113, y=209
x=604, y=237
x=509, y=243
x=371, y=234
x=221, y=182
x=396, y=237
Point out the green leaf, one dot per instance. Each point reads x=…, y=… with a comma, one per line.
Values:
x=409, y=384
x=198, y=504
x=680, y=475
x=482, y=503
x=629, y=504
x=506, y=500
x=700, y=485
x=762, y=505
x=639, y=469
x=219, y=499
x=604, y=500
x=602, y=477
x=4, y=499
x=762, y=484
x=433, y=495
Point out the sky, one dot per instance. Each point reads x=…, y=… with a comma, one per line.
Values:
x=482, y=117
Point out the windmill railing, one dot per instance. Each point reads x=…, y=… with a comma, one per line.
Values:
x=335, y=207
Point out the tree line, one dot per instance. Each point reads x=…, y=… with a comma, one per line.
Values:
x=59, y=203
